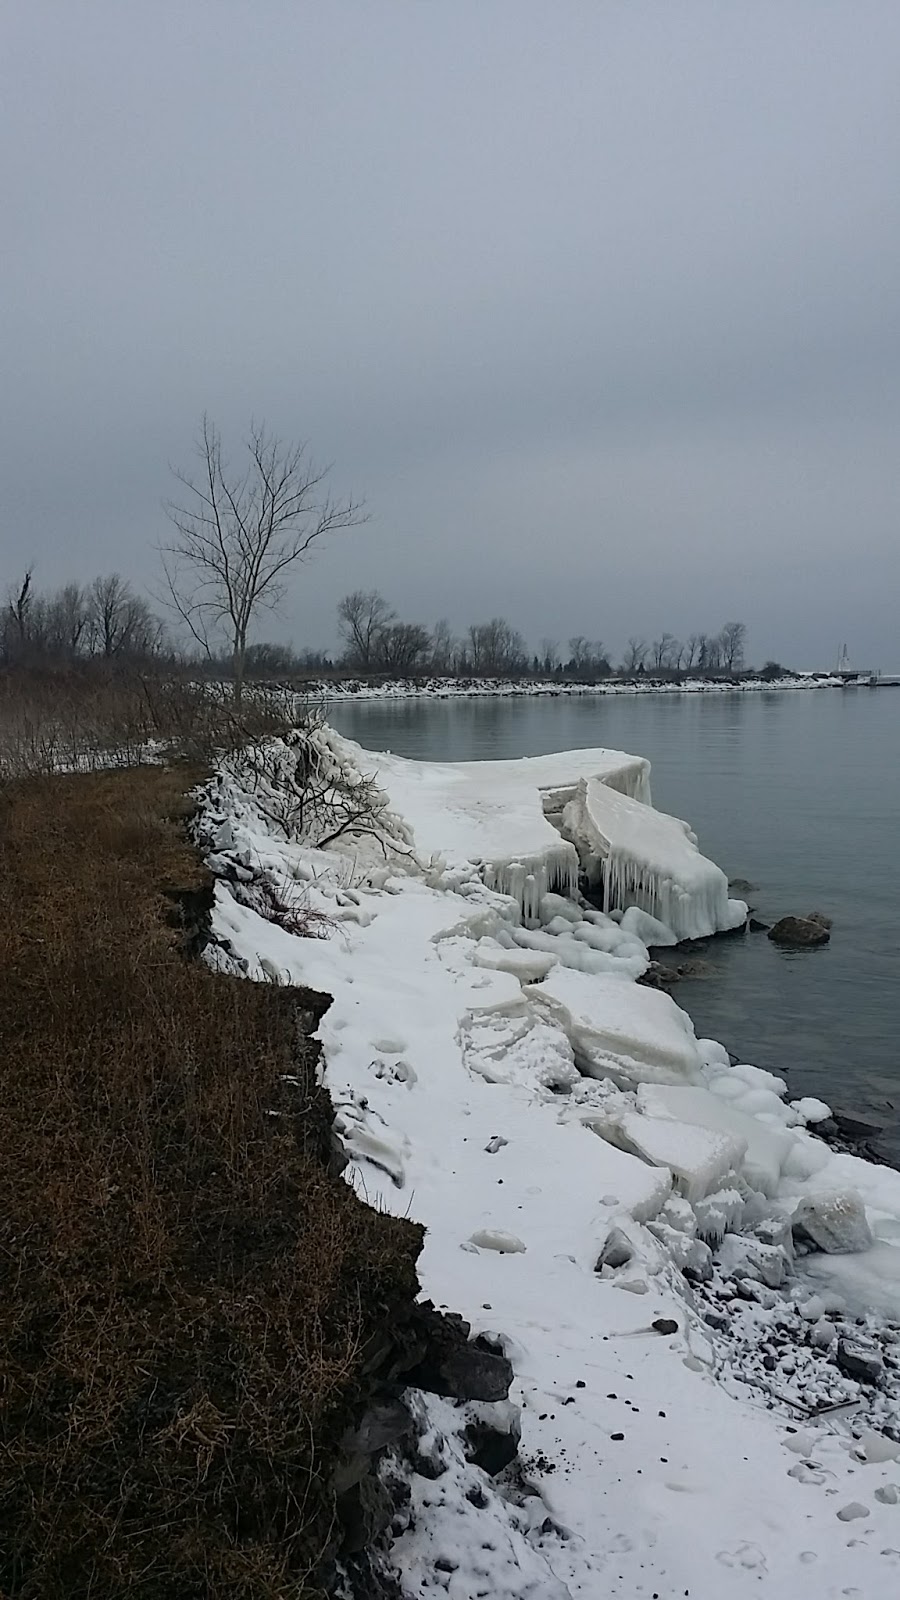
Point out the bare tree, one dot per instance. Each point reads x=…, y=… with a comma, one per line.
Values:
x=495, y=647
x=362, y=618
x=587, y=656
x=733, y=639
x=119, y=621
x=444, y=648
x=239, y=533
x=635, y=654
x=17, y=618
x=664, y=651
x=67, y=619
x=689, y=655
x=549, y=659
x=403, y=648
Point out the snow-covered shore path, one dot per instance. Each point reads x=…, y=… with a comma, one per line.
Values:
x=705, y=1409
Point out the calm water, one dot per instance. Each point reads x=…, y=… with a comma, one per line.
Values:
x=797, y=793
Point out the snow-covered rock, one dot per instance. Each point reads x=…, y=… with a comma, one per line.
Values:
x=835, y=1223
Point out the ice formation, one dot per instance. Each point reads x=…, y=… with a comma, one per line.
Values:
x=646, y=859
x=534, y=824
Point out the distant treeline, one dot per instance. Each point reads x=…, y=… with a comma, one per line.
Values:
x=107, y=620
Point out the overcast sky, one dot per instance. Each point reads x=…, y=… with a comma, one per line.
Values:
x=597, y=302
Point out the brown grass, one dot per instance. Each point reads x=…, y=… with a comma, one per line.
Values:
x=186, y=1294
x=90, y=715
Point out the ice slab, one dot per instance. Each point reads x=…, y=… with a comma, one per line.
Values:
x=647, y=859
x=699, y=1159
x=767, y=1147
x=620, y=1030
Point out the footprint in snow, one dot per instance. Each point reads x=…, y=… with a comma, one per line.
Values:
x=748, y=1556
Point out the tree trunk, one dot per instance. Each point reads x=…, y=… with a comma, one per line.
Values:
x=237, y=666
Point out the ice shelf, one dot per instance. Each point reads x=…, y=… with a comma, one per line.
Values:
x=536, y=824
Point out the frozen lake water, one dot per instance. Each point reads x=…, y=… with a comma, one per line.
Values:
x=798, y=793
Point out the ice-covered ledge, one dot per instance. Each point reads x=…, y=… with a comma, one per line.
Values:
x=535, y=824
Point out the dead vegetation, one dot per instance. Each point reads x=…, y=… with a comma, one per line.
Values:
x=188, y=1295
x=87, y=716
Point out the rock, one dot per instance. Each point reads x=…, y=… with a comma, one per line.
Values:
x=888, y=1494
x=860, y=1361
x=834, y=1222
x=492, y=1437
x=617, y=1250
x=820, y=918
x=756, y=925
x=856, y=1127
x=463, y=1371
x=664, y=1325
x=798, y=931
x=741, y=886
x=364, y=1512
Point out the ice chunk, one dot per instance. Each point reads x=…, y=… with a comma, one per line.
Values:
x=713, y=1053
x=648, y=929
x=718, y=1214
x=506, y=1244
x=811, y=1110
x=647, y=859
x=758, y=1078
x=527, y=965
x=556, y=905
x=767, y=1148
x=835, y=1222
x=869, y=1280
x=620, y=1030
x=741, y=1257
x=698, y=1158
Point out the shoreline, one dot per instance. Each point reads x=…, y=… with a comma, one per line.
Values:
x=607, y=1199
x=477, y=688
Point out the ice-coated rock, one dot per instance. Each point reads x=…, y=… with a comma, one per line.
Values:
x=834, y=1221
x=649, y=930
x=617, y=1250
x=742, y=1257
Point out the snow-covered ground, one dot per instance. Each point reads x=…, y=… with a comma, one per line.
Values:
x=453, y=688
x=700, y=1300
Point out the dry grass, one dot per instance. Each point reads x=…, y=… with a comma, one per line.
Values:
x=92, y=715
x=185, y=1292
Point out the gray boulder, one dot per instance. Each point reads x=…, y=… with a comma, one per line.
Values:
x=834, y=1222
x=798, y=932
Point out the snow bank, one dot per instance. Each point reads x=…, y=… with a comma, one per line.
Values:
x=530, y=1107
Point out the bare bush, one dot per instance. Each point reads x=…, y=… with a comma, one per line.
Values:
x=303, y=790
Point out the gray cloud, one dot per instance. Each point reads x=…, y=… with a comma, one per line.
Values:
x=598, y=303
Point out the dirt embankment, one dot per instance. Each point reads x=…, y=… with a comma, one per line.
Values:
x=195, y=1309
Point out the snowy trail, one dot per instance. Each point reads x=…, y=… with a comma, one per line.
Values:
x=523, y=1122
